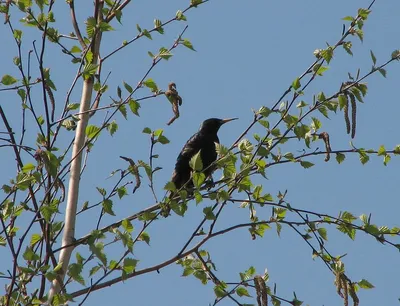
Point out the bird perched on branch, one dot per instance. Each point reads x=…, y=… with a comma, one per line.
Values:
x=203, y=140
x=175, y=99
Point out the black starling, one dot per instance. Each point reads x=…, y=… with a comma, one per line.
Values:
x=203, y=140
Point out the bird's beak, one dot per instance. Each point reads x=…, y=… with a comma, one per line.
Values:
x=227, y=120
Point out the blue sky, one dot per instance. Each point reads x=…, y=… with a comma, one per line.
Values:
x=248, y=53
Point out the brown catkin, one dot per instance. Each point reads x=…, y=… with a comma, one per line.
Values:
x=353, y=115
x=325, y=137
x=345, y=290
x=353, y=294
x=134, y=169
x=175, y=99
x=346, y=115
x=261, y=290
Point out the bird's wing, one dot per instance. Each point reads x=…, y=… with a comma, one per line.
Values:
x=192, y=146
x=182, y=169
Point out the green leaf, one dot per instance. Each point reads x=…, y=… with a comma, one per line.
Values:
x=40, y=120
x=122, y=110
x=144, y=236
x=242, y=291
x=382, y=71
x=196, y=163
x=348, y=18
x=198, y=197
x=35, y=238
x=198, y=179
x=208, y=212
x=164, y=53
x=157, y=26
x=296, y=84
x=364, y=158
x=347, y=47
x=8, y=80
x=107, y=207
x=382, y=150
x=74, y=270
x=94, y=270
x=327, y=54
x=73, y=106
x=127, y=225
x=248, y=274
x=104, y=27
x=187, y=271
x=264, y=111
x=322, y=109
x=170, y=186
x=18, y=34
x=30, y=255
x=349, y=231
x=162, y=139
x=342, y=101
x=306, y=164
x=146, y=130
x=179, y=16
x=195, y=3
x=316, y=124
x=28, y=167
x=340, y=157
x=92, y=131
x=122, y=192
x=102, y=191
x=98, y=250
x=128, y=87
x=147, y=34
x=264, y=123
x=301, y=131
x=158, y=132
x=134, y=106
x=321, y=69
x=52, y=164
x=112, y=127
x=365, y=284
x=90, y=26
x=323, y=233
x=373, y=57
x=219, y=289
x=396, y=54
x=187, y=44
x=149, y=83
x=75, y=49
x=22, y=93
x=356, y=92
x=129, y=265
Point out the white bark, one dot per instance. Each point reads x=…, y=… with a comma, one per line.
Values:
x=74, y=180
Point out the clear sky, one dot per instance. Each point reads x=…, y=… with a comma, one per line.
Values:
x=248, y=53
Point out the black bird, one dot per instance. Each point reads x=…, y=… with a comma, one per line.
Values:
x=203, y=140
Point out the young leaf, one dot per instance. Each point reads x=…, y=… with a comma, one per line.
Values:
x=151, y=84
x=134, y=106
x=186, y=42
x=306, y=164
x=340, y=157
x=373, y=57
x=296, y=84
x=8, y=80
x=196, y=163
